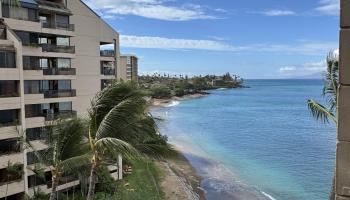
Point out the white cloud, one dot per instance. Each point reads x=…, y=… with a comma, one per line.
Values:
x=329, y=7
x=149, y=42
x=305, y=69
x=154, y=9
x=274, y=13
x=168, y=43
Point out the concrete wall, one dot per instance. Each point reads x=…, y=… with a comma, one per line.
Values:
x=90, y=30
x=122, y=69
x=343, y=145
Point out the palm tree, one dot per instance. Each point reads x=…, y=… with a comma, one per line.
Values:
x=66, y=152
x=326, y=113
x=120, y=124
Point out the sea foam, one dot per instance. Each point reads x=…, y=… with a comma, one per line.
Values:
x=173, y=103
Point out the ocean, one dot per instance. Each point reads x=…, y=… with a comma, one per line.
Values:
x=255, y=143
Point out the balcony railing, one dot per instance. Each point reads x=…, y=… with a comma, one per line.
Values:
x=51, y=4
x=60, y=115
x=9, y=94
x=58, y=93
x=31, y=68
x=107, y=53
x=107, y=71
x=58, y=48
x=57, y=25
x=59, y=71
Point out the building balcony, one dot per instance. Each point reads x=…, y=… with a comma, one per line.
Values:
x=107, y=71
x=53, y=6
x=15, y=157
x=58, y=48
x=61, y=115
x=60, y=26
x=8, y=132
x=59, y=93
x=52, y=116
x=12, y=188
x=107, y=53
x=60, y=71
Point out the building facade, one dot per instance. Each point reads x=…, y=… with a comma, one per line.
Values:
x=55, y=55
x=342, y=173
x=128, y=68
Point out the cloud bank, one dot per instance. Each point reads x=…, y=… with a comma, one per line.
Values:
x=150, y=42
x=154, y=9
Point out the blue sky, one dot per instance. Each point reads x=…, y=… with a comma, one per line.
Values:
x=251, y=38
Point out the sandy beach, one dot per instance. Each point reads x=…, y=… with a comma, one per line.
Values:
x=180, y=181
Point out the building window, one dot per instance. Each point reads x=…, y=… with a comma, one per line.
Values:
x=8, y=89
x=62, y=41
x=35, y=134
x=8, y=117
x=64, y=85
x=104, y=83
x=20, y=13
x=62, y=20
x=31, y=63
x=44, y=63
x=65, y=106
x=28, y=38
x=63, y=63
x=7, y=59
x=31, y=87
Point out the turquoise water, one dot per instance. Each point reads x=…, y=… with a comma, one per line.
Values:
x=255, y=143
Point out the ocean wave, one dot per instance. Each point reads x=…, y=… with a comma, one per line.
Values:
x=267, y=195
x=172, y=104
x=221, y=89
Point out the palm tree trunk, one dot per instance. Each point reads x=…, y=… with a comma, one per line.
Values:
x=92, y=183
x=54, y=188
x=332, y=194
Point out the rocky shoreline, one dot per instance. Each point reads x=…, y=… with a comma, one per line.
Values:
x=168, y=102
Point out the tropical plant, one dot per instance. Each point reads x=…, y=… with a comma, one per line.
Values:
x=66, y=152
x=39, y=172
x=120, y=124
x=326, y=113
x=14, y=171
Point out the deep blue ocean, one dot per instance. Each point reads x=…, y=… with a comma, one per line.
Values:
x=255, y=143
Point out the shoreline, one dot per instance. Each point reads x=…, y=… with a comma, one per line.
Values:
x=180, y=180
x=169, y=101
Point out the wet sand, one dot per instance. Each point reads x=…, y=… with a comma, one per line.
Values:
x=180, y=181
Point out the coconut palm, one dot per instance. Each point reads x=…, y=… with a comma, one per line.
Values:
x=66, y=152
x=120, y=124
x=326, y=113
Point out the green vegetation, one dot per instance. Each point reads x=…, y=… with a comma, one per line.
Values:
x=165, y=86
x=118, y=124
x=325, y=113
x=142, y=183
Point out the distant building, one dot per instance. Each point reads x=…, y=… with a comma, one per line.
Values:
x=128, y=68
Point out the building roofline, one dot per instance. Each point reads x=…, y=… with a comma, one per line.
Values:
x=126, y=55
x=95, y=13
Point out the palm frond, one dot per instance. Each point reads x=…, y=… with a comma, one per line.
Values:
x=108, y=98
x=75, y=164
x=155, y=150
x=320, y=112
x=113, y=146
x=121, y=114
